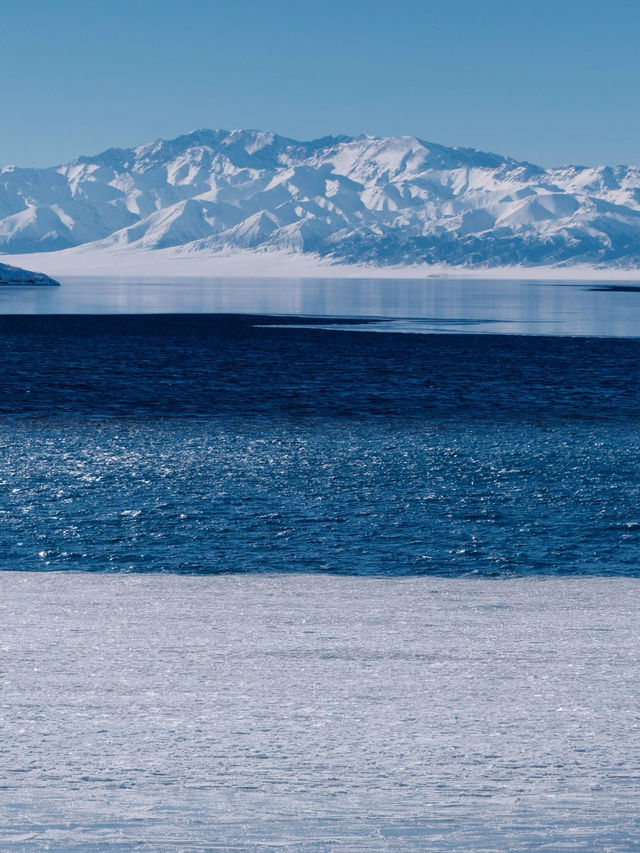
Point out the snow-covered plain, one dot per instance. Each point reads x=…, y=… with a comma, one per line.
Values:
x=396, y=201
x=179, y=263
x=311, y=713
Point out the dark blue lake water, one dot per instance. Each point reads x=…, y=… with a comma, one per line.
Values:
x=211, y=443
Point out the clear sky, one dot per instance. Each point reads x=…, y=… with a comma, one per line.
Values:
x=551, y=81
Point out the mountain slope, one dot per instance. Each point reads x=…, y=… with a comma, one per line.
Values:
x=365, y=199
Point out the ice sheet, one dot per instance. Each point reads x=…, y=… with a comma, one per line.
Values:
x=247, y=713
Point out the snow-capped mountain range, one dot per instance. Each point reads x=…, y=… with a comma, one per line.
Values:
x=395, y=200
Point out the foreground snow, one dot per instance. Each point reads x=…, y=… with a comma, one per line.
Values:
x=306, y=713
x=176, y=263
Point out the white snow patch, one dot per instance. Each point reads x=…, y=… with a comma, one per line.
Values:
x=316, y=713
x=190, y=262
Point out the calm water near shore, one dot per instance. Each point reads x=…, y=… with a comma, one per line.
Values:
x=600, y=308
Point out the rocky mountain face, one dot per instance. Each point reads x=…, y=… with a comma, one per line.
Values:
x=365, y=199
x=12, y=276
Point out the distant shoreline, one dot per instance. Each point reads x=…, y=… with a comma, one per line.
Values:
x=176, y=263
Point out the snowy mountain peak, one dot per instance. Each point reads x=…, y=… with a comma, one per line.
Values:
x=366, y=198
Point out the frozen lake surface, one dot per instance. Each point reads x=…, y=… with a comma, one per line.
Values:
x=315, y=713
x=535, y=307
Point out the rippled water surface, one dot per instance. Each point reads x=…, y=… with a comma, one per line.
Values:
x=341, y=498
x=200, y=443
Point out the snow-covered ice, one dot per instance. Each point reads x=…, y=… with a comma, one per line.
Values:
x=248, y=713
x=178, y=263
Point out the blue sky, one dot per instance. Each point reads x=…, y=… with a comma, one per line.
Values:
x=551, y=82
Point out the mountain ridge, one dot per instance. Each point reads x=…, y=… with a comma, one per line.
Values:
x=367, y=199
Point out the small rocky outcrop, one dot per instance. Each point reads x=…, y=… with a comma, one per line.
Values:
x=14, y=276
